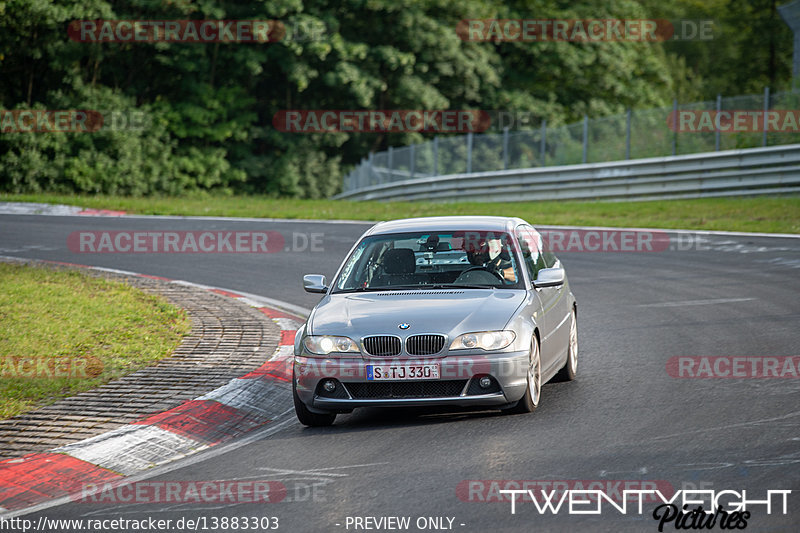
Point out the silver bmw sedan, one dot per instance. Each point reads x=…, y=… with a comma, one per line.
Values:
x=462, y=311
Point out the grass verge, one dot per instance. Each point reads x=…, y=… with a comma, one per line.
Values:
x=63, y=332
x=759, y=214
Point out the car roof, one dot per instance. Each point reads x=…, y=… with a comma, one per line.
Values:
x=451, y=223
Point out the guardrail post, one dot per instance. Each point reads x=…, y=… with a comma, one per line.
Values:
x=585, y=137
x=412, y=154
x=675, y=135
x=543, y=142
x=505, y=148
x=766, y=110
x=436, y=156
x=628, y=134
x=390, y=163
x=717, y=132
x=469, y=152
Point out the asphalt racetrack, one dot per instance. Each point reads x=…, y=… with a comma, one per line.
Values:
x=629, y=417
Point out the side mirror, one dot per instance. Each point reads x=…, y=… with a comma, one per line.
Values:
x=549, y=277
x=315, y=283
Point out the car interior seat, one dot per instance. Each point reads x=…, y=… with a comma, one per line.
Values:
x=399, y=265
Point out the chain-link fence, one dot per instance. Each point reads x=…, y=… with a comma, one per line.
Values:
x=631, y=135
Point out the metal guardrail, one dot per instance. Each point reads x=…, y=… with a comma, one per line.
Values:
x=754, y=171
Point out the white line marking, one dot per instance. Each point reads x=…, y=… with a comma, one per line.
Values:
x=319, y=472
x=697, y=302
x=688, y=231
x=753, y=423
x=115, y=271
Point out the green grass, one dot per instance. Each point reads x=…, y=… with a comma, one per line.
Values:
x=94, y=329
x=761, y=214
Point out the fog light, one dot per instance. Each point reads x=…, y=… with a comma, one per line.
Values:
x=485, y=382
x=329, y=385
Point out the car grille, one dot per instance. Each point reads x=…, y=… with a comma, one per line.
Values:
x=382, y=345
x=406, y=389
x=424, y=344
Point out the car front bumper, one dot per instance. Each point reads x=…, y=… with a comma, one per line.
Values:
x=457, y=385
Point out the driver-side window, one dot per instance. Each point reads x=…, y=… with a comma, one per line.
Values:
x=529, y=241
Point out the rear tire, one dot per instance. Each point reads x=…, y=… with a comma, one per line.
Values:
x=570, y=369
x=306, y=417
x=533, y=392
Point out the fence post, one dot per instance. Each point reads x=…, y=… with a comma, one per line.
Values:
x=766, y=110
x=390, y=164
x=412, y=154
x=543, y=146
x=505, y=148
x=469, y=152
x=628, y=134
x=371, y=171
x=717, y=132
x=436, y=156
x=675, y=135
x=585, y=137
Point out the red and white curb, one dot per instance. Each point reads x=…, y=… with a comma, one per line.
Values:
x=243, y=404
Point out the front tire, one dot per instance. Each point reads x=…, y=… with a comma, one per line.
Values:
x=306, y=417
x=533, y=392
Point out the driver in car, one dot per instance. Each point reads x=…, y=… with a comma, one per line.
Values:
x=490, y=255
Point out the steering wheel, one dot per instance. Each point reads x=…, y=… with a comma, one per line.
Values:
x=482, y=269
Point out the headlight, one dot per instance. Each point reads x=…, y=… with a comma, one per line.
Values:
x=325, y=344
x=486, y=340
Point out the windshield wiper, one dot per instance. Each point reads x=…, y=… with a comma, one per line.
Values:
x=461, y=286
x=422, y=287
x=361, y=289
x=435, y=286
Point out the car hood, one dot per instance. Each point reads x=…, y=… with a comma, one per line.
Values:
x=451, y=312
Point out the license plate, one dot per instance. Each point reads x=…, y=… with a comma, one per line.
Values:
x=402, y=372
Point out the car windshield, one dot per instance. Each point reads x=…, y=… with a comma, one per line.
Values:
x=415, y=261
